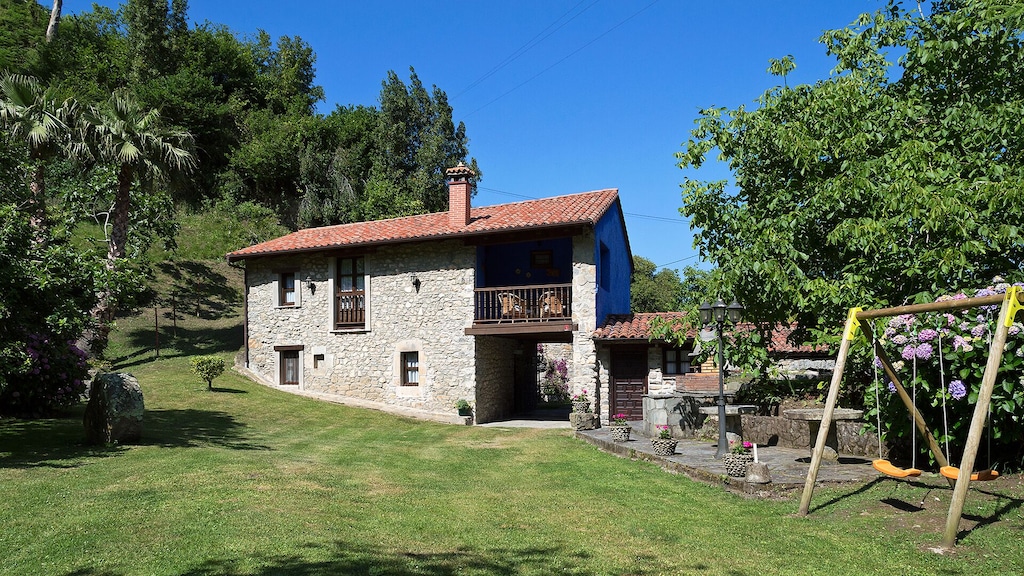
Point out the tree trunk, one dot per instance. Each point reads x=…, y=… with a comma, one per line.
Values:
x=116, y=245
x=37, y=201
x=105, y=310
x=51, y=29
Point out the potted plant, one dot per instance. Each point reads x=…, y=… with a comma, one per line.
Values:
x=737, y=459
x=664, y=444
x=581, y=402
x=462, y=405
x=619, y=428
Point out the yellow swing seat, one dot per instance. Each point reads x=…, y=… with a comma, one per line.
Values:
x=887, y=468
x=952, y=472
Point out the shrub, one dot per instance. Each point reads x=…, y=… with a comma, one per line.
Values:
x=207, y=368
x=949, y=392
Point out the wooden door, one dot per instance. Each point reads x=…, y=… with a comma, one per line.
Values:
x=628, y=382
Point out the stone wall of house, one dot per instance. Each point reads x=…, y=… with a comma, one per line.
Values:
x=584, y=370
x=495, y=376
x=364, y=364
x=601, y=392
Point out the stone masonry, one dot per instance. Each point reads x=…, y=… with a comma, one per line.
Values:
x=364, y=364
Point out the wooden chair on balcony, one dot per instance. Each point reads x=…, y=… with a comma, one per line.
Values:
x=512, y=306
x=551, y=305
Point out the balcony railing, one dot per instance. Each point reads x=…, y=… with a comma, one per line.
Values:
x=541, y=303
x=350, y=309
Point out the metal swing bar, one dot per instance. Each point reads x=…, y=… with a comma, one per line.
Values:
x=1011, y=304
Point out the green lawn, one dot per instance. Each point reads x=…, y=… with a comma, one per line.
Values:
x=249, y=480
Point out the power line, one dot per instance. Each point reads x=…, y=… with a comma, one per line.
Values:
x=680, y=260
x=566, y=57
x=537, y=39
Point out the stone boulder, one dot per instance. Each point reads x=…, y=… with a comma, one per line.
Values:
x=115, y=408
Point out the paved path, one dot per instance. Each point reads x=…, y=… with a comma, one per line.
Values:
x=696, y=459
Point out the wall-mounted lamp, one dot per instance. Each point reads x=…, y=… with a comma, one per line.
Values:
x=416, y=284
x=309, y=282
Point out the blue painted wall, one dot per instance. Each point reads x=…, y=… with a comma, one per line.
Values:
x=509, y=264
x=614, y=264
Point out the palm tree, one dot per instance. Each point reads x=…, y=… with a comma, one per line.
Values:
x=121, y=133
x=34, y=114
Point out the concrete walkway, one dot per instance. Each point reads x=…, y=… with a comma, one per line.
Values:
x=787, y=466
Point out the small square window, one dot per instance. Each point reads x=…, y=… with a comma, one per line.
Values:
x=410, y=368
x=540, y=259
x=677, y=361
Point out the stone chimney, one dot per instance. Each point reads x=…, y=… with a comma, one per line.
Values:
x=459, y=189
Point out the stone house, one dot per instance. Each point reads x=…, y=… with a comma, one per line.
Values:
x=412, y=314
x=644, y=374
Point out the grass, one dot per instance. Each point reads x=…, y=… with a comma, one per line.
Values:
x=250, y=480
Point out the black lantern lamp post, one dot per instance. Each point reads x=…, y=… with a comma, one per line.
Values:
x=717, y=314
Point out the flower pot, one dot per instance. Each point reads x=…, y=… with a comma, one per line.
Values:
x=620, y=433
x=736, y=464
x=664, y=446
x=581, y=407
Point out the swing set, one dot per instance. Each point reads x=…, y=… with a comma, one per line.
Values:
x=1011, y=304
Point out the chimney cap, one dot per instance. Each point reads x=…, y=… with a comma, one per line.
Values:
x=460, y=171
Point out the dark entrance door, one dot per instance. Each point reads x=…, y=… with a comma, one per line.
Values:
x=629, y=382
x=525, y=394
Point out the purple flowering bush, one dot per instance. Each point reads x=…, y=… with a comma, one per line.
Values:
x=45, y=295
x=53, y=378
x=555, y=381
x=915, y=345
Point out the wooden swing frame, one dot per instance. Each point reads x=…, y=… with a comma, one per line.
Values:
x=1011, y=304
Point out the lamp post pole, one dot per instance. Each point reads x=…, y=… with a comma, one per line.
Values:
x=716, y=314
x=723, y=445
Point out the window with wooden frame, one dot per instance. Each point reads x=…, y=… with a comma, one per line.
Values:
x=350, y=294
x=677, y=361
x=286, y=295
x=290, y=367
x=410, y=368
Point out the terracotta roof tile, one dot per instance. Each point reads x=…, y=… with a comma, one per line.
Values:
x=634, y=326
x=637, y=327
x=583, y=208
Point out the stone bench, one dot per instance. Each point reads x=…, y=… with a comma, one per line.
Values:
x=813, y=418
x=733, y=418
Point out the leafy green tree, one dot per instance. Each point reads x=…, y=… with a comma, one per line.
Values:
x=415, y=140
x=148, y=39
x=45, y=292
x=334, y=166
x=879, y=185
x=698, y=286
x=653, y=290
x=23, y=25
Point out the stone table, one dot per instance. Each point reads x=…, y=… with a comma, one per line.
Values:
x=813, y=418
x=733, y=420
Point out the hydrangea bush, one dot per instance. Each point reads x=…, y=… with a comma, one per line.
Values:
x=944, y=355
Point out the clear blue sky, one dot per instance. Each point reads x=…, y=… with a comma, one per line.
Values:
x=590, y=94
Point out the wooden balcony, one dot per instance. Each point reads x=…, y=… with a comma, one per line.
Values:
x=523, y=309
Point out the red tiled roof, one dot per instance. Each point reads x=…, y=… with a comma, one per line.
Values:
x=637, y=327
x=572, y=209
x=634, y=326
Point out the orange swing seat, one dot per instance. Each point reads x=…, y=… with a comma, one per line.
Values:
x=952, y=472
x=887, y=468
